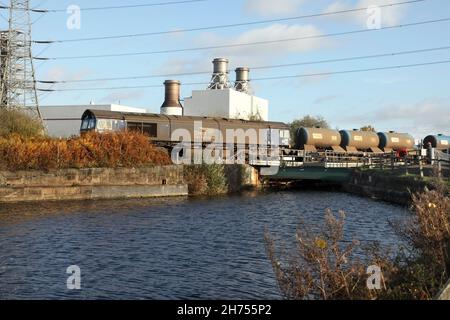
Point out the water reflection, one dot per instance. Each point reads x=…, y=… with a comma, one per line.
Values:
x=166, y=248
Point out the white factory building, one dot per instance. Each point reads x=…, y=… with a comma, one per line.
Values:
x=226, y=103
x=224, y=100
x=65, y=120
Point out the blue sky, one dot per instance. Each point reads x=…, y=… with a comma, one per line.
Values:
x=415, y=100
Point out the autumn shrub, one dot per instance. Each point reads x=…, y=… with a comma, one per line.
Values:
x=322, y=266
x=122, y=149
x=16, y=122
x=325, y=266
x=206, y=179
x=424, y=268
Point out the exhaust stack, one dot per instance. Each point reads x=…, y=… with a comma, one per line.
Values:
x=172, y=105
x=219, y=79
x=242, y=83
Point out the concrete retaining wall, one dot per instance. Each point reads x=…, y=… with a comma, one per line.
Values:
x=93, y=183
x=241, y=177
x=384, y=186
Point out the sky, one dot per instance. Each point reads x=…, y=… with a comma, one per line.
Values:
x=414, y=100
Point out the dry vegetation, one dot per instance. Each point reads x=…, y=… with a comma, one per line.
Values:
x=17, y=122
x=324, y=266
x=206, y=179
x=122, y=149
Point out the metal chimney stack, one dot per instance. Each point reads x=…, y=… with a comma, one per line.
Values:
x=172, y=105
x=219, y=78
x=242, y=83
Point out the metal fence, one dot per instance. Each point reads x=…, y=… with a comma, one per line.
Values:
x=411, y=163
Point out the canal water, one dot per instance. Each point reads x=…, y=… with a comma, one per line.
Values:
x=168, y=248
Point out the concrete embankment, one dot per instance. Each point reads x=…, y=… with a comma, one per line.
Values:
x=390, y=186
x=93, y=183
x=111, y=183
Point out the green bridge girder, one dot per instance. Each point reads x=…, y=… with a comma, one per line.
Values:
x=313, y=173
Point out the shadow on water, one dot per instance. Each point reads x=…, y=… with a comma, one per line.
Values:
x=167, y=248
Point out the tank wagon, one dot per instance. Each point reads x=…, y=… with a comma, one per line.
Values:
x=439, y=142
x=164, y=129
x=393, y=141
x=314, y=139
x=357, y=140
x=352, y=141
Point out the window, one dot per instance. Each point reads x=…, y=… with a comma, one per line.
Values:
x=150, y=129
x=134, y=126
x=84, y=124
x=91, y=123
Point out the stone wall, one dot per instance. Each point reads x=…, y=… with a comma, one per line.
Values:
x=93, y=183
x=385, y=185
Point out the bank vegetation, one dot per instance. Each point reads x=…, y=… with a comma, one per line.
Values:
x=92, y=150
x=326, y=266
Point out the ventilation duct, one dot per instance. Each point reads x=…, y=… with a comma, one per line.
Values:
x=242, y=83
x=219, y=79
x=172, y=105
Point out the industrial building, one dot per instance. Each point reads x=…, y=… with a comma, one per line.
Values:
x=223, y=100
x=65, y=120
x=220, y=99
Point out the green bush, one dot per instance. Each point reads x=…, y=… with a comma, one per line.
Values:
x=19, y=123
x=206, y=179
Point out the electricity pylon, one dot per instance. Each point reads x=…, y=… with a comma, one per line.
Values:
x=17, y=74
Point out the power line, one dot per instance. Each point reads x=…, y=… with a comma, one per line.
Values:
x=223, y=26
x=266, y=78
x=244, y=44
x=391, y=54
x=112, y=7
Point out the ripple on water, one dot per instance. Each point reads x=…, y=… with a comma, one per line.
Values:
x=167, y=248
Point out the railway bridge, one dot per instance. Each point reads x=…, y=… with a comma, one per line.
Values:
x=332, y=166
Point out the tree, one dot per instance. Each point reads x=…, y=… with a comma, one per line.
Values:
x=368, y=128
x=307, y=122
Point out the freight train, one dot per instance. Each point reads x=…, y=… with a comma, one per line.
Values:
x=162, y=129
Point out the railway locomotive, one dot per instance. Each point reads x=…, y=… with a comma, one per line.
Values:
x=162, y=129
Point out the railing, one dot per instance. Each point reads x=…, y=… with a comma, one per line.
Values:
x=410, y=163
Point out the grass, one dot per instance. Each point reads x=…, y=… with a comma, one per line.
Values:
x=15, y=122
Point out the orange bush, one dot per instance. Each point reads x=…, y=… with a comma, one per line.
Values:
x=122, y=149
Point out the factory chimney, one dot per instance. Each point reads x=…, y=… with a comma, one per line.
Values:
x=172, y=105
x=219, y=78
x=242, y=83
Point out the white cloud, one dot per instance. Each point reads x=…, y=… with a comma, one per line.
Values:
x=389, y=15
x=183, y=65
x=428, y=116
x=324, y=99
x=257, y=55
x=264, y=53
x=60, y=73
x=272, y=7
